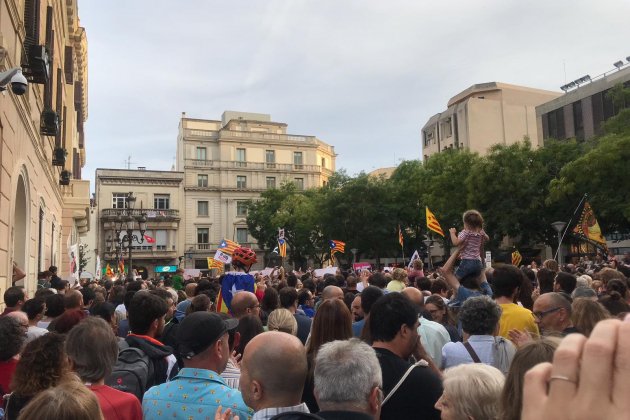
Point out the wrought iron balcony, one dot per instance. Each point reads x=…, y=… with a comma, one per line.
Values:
x=151, y=214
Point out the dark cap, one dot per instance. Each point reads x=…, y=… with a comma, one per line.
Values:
x=199, y=330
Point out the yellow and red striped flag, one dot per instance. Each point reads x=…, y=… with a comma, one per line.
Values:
x=228, y=246
x=400, y=237
x=433, y=224
x=108, y=271
x=282, y=247
x=212, y=263
x=336, y=246
x=516, y=258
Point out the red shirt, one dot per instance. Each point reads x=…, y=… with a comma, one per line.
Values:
x=6, y=374
x=117, y=405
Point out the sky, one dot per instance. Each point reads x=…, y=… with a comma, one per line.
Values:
x=361, y=75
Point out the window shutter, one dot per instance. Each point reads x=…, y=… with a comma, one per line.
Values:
x=31, y=23
x=68, y=65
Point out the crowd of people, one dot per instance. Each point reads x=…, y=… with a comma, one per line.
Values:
x=458, y=342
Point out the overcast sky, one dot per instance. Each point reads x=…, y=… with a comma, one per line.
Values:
x=363, y=76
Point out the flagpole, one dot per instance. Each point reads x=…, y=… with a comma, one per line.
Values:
x=569, y=225
x=403, y=254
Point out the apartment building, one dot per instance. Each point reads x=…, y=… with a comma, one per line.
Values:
x=483, y=115
x=230, y=161
x=159, y=196
x=43, y=200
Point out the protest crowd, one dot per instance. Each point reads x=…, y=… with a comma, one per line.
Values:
x=460, y=341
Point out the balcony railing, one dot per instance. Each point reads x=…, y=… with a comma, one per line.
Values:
x=214, y=246
x=236, y=164
x=149, y=213
x=143, y=253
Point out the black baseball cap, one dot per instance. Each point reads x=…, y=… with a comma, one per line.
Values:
x=200, y=330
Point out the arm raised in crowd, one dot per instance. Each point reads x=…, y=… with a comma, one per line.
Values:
x=448, y=272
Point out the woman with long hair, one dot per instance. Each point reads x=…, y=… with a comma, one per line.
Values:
x=586, y=313
x=43, y=365
x=439, y=311
x=332, y=321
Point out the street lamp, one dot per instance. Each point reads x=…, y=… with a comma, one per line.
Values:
x=428, y=243
x=354, y=255
x=559, y=228
x=124, y=224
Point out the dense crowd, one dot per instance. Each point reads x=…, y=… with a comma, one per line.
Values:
x=450, y=343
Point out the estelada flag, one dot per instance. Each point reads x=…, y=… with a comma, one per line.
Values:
x=432, y=223
x=282, y=247
x=516, y=258
x=588, y=228
x=121, y=267
x=228, y=246
x=109, y=272
x=400, y=237
x=336, y=246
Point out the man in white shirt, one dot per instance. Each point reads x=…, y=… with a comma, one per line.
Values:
x=34, y=309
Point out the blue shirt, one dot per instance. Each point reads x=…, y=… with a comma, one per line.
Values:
x=357, y=327
x=464, y=293
x=193, y=394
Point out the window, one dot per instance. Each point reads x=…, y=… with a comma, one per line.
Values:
x=323, y=162
x=161, y=201
x=578, y=121
x=241, y=181
x=270, y=158
x=203, y=238
x=271, y=182
x=241, y=208
x=201, y=264
x=161, y=240
x=299, y=183
x=119, y=200
x=240, y=158
x=202, y=208
x=241, y=235
x=201, y=153
x=202, y=180
x=297, y=160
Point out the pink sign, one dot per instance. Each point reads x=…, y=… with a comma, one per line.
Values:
x=361, y=266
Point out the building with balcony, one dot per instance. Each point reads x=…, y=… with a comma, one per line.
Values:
x=580, y=112
x=159, y=196
x=483, y=115
x=43, y=200
x=228, y=162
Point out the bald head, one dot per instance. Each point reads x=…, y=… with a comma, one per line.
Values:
x=20, y=317
x=190, y=289
x=332, y=292
x=273, y=371
x=414, y=295
x=243, y=304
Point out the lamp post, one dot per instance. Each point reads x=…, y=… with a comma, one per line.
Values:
x=124, y=224
x=189, y=254
x=559, y=228
x=354, y=255
x=428, y=243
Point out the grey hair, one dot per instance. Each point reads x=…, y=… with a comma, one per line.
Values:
x=474, y=390
x=583, y=292
x=480, y=315
x=346, y=372
x=92, y=362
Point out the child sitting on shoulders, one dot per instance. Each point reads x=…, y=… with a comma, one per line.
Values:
x=471, y=240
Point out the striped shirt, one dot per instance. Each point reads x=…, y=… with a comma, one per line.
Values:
x=472, y=244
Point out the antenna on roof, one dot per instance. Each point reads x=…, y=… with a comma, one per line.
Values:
x=128, y=162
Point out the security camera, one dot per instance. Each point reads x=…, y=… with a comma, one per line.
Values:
x=17, y=80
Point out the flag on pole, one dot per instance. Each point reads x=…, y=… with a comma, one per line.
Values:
x=121, y=266
x=415, y=256
x=149, y=239
x=336, y=246
x=228, y=246
x=282, y=247
x=588, y=227
x=109, y=272
x=516, y=258
x=400, y=237
x=98, y=267
x=212, y=263
x=432, y=223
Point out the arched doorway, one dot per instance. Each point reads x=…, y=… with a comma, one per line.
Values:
x=20, y=227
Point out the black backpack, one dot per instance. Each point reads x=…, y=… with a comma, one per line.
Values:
x=133, y=371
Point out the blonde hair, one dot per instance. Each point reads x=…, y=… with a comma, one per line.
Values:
x=474, y=390
x=70, y=400
x=551, y=265
x=282, y=320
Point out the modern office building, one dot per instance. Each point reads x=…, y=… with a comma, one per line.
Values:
x=44, y=203
x=580, y=112
x=483, y=115
x=230, y=161
x=159, y=195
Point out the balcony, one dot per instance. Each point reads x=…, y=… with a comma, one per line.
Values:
x=158, y=214
x=249, y=166
x=212, y=248
x=147, y=254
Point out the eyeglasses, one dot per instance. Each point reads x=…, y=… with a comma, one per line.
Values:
x=541, y=314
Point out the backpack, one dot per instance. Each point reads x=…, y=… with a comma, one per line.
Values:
x=132, y=373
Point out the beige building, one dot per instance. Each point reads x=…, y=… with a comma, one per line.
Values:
x=160, y=197
x=228, y=162
x=483, y=115
x=43, y=201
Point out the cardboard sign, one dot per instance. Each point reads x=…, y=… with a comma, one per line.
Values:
x=223, y=257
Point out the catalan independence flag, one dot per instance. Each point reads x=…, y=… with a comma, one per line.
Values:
x=282, y=247
x=516, y=258
x=433, y=224
x=212, y=263
x=108, y=271
x=336, y=246
x=228, y=246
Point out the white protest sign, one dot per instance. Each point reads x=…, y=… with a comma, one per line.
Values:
x=223, y=257
x=320, y=272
